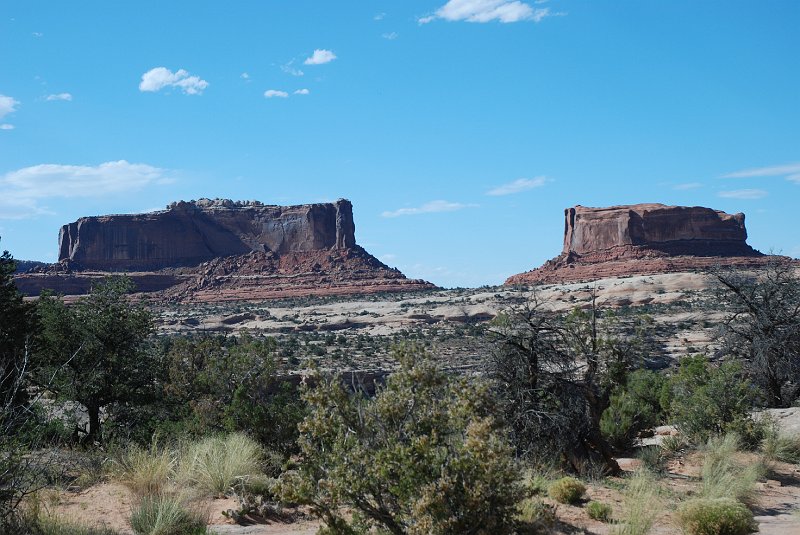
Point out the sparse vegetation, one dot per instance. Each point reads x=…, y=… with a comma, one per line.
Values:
x=723, y=476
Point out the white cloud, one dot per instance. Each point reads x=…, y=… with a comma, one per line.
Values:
x=379, y=16
x=745, y=194
x=21, y=191
x=687, y=185
x=275, y=93
x=244, y=76
x=7, y=105
x=429, y=208
x=161, y=77
x=59, y=96
x=37, y=34
x=302, y=92
x=391, y=36
x=6, y=126
x=319, y=57
x=487, y=10
x=517, y=186
x=790, y=171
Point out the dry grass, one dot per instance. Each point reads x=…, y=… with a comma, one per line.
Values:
x=166, y=514
x=149, y=471
x=725, y=477
x=641, y=504
x=215, y=464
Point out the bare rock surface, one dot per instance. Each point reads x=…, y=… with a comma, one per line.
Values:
x=645, y=239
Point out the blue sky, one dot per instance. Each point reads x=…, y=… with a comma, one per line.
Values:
x=460, y=129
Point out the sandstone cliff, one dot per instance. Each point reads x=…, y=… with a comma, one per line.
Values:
x=218, y=250
x=188, y=233
x=644, y=238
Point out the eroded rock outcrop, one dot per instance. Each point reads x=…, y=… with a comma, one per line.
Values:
x=188, y=233
x=217, y=250
x=644, y=239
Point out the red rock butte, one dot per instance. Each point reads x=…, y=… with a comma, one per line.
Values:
x=214, y=250
x=644, y=239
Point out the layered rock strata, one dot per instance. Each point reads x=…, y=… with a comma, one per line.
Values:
x=644, y=239
x=189, y=233
x=221, y=250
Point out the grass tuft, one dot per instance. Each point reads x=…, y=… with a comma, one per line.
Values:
x=724, y=477
x=599, y=511
x=641, y=504
x=164, y=514
x=215, y=464
x=147, y=471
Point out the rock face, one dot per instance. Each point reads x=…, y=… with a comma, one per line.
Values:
x=691, y=230
x=644, y=239
x=188, y=233
x=219, y=250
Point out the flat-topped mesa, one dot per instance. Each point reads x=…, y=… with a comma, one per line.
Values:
x=188, y=233
x=674, y=230
x=643, y=239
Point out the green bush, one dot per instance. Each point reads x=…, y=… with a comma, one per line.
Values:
x=424, y=455
x=632, y=408
x=566, y=490
x=166, y=515
x=599, y=511
x=708, y=401
x=720, y=516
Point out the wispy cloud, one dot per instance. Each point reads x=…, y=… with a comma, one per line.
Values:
x=744, y=194
x=390, y=36
x=379, y=16
x=7, y=105
x=245, y=76
x=429, y=208
x=303, y=91
x=6, y=126
x=22, y=191
x=289, y=68
x=319, y=57
x=275, y=93
x=487, y=11
x=59, y=96
x=161, y=77
x=518, y=186
x=687, y=185
x=790, y=171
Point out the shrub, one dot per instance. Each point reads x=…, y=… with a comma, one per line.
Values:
x=423, y=455
x=724, y=477
x=708, y=401
x=633, y=408
x=166, y=515
x=566, y=490
x=720, y=516
x=215, y=464
x=599, y=511
x=641, y=504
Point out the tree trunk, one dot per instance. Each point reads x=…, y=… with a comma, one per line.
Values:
x=94, y=423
